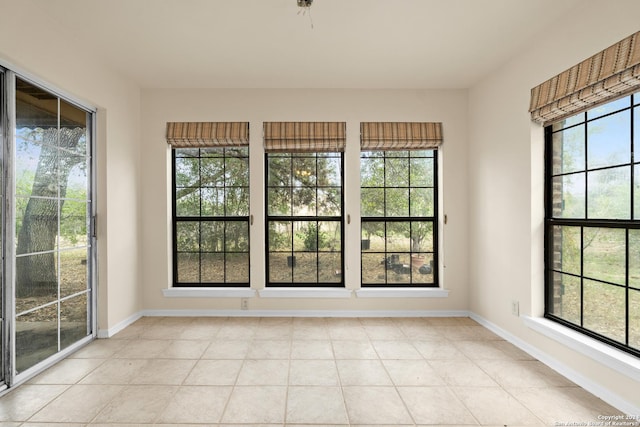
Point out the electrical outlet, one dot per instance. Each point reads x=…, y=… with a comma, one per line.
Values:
x=515, y=308
x=244, y=304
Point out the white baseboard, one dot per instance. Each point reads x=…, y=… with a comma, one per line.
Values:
x=108, y=333
x=305, y=313
x=591, y=386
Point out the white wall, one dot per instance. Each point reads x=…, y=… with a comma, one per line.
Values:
x=31, y=43
x=258, y=106
x=506, y=180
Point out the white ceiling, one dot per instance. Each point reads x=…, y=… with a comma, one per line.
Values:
x=268, y=44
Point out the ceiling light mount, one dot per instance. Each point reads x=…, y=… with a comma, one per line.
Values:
x=305, y=5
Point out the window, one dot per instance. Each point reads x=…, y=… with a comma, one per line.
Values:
x=211, y=211
x=593, y=222
x=304, y=179
x=398, y=208
x=398, y=204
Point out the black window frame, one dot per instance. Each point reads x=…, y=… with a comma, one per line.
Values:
x=298, y=218
x=245, y=219
x=553, y=249
x=387, y=261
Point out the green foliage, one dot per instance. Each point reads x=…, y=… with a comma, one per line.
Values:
x=312, y=237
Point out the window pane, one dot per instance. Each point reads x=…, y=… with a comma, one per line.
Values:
x=281, y=267
x=373, y=268
x=188, y=267
x=279, y=171
x=329, y=173
x=421, y=236
x=236, y=201
x=372, y=172
x=73, y=320
x=566, y=297
x=187, y=202
x=236, y=236
x=609, y=107
x=634, y=259
x=329, y=236
x=212, y=236
x=609, y=193
x=604, y=254
x=28, y=150
x=213, y=202
x=188, y=236
x=279, y=201
x=604, y=309
x=73, y=180
x=398, y=237
x=373, y=236
x=306, y=268
x=397, y=202
x=73, y=272
x=42, y=323
x=237, y=172
x=372, y=201
x=280, y=236
x=304, y=201
x=304, y=172
x=212, y=268
x=187, y=172
x=397, y=172
x=421, y=202
x=609, y=140
x=73, y=224
x=211, y=172
x=329, y=268
x=634, y=318
x=329, y=201
x=422, y=269
x=568, y=196
x=36, y=280
x=399, y=269
x=568, y=150
x=237, y=268
x=421, y=172
x=306, y=236
x=566, y=249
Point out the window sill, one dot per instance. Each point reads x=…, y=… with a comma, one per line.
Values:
x=208, y=293
x=305, y=293
x=616, y=359
x=402, y=293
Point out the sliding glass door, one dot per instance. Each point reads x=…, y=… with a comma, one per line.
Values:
x=50, y=235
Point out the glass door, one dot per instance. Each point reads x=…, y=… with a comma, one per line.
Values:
x=51, y=277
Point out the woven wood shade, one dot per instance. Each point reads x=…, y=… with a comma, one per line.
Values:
x=207, y=134
x=400, y=135
x=304, y=137
x=610, y=74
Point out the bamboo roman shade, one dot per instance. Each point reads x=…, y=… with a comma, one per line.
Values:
x=207, y=134
x=300, y=137
x=610, y=74
x=400, y=135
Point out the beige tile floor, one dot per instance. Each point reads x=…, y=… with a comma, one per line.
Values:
x=300, y=372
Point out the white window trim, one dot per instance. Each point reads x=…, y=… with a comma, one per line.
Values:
x=602, y=353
